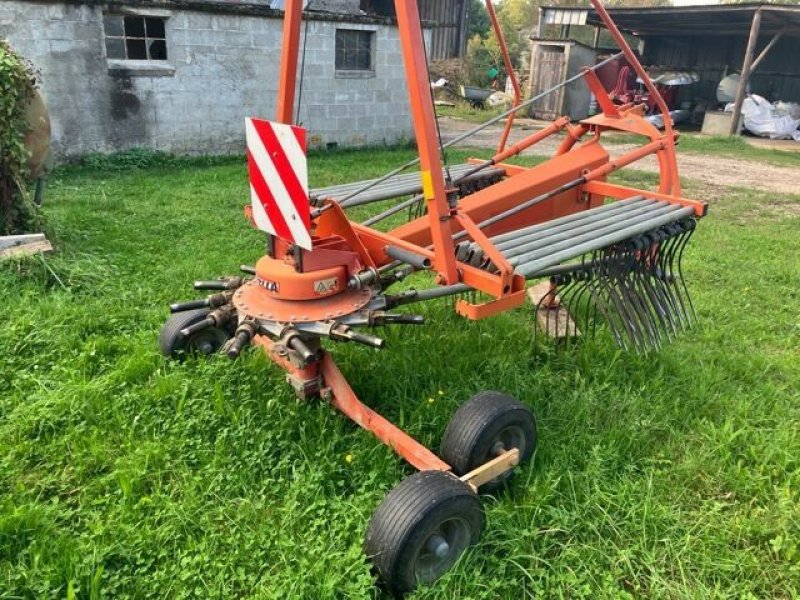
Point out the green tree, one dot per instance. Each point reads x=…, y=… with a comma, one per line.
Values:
x=478, y=19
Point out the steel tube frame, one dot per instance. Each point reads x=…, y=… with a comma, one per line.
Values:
x=525, y=246
x=630, y=56
x=531, y=268
x=475, y=130
x=343, y=398
x=501, y=41
x=572, y=221
x=444, y=216
x=562, y=241
x=287, y=81
x=514, y=150
x=421, y=101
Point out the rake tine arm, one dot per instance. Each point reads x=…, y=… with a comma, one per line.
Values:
x=243, y=336
x=190, y=305
x=213, y=301
x=229, y=283
x=299, y=346
x=216, y=318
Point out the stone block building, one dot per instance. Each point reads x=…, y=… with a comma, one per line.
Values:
x=182, y=75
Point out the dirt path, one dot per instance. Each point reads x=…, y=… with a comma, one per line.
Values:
x=712, y=170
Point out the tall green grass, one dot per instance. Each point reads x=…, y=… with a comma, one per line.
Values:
x=126, y=476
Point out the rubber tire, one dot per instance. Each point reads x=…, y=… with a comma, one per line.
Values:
x=173, y=344
x=408, y=515
x=475, y=426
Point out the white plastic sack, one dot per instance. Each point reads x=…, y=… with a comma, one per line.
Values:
x=787, y=108
x=761, y=119
x=499, y=99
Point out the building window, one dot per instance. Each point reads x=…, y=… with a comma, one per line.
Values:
x=354, y=49
x=135, y=37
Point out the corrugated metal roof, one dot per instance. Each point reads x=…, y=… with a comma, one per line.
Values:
x=717, y=19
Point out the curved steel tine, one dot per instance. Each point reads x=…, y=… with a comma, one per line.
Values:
x=635, y=301
x=580, y=289
x=692, y=225
x=668, y=301
x=578, y=300
x=589, y=276
x=663, y=277
x=642, y=293
x=670, y=275
x=610, y=315
x=603, y=300
x=536, y=318
x=565, y=297
x=621, y=306
x=676, y=274
x=644, y=276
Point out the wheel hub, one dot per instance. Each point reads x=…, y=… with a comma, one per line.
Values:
x=441, y=549
x=437, y=546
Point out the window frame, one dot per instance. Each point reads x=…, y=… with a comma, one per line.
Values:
x=146, y=37
x=345, y=71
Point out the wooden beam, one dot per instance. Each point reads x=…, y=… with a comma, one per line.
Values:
x=766, y=49
x=494, y=468
x=18, y=245
x=540, y=24
x=554, y=319
x=744, y=78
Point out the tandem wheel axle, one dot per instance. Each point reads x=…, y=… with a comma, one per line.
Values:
x=424, y=524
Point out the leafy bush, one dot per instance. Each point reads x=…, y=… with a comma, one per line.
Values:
x=17, y=87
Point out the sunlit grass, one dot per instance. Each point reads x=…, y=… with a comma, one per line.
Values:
x=674, y=476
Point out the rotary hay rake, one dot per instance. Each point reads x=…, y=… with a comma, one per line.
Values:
x=483, y=228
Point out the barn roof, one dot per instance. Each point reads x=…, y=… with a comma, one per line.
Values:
x=725, y=19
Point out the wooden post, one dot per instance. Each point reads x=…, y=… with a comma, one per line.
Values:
x=766, y=50
x=745, y=75
x=540, y=25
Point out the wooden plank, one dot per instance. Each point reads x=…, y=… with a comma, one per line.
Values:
x=494, y=468
x=21, y=245
x=555, y=322
x=550, y=71
x=7, y=241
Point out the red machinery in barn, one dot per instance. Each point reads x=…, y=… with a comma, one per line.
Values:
x=483, y=228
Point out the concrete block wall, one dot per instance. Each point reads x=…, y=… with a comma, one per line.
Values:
x=222, y=68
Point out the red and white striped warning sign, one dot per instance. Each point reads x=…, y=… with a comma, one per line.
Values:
x=276, y=158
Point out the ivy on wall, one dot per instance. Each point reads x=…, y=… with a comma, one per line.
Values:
x=17, y=87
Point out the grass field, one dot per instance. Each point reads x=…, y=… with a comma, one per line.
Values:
x=125, y=476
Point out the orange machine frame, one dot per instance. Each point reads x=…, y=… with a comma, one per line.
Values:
x=577, y=173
